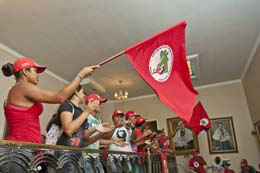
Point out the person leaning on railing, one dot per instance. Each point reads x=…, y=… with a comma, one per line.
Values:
x=96, y=139
x=23, y=105
x=74, y=123
x=123, y=135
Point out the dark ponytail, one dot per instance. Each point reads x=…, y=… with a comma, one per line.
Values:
x=8, y=69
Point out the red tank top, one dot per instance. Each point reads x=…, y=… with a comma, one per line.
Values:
x=23, y=123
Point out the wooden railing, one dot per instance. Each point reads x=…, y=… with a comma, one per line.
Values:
x=30, y=157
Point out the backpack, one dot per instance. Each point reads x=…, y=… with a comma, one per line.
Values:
x=54, y=128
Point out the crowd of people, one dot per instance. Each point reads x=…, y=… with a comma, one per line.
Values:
x=83, y=127
x=198, y=164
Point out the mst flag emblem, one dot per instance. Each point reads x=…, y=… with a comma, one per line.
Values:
x=161, y=62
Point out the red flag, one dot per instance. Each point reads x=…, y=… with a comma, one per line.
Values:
x=161, y=61
x=200, y=119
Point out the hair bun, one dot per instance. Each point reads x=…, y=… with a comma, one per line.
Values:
x=8, y=69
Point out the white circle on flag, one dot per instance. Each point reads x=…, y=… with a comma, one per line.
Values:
x=204, y=122
x=161, y=62
x=196, y=164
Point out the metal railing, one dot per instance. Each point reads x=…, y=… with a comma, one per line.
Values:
x=32, y=158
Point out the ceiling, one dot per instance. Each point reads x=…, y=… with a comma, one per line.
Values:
x=68, y=35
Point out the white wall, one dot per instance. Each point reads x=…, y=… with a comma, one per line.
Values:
x=46, y=82
x=219, y=101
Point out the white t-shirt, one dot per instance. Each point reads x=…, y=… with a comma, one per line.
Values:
x=121, y=133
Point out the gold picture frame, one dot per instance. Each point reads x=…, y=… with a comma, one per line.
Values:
x=181, y=143
x=257, y=127
x=221, y=136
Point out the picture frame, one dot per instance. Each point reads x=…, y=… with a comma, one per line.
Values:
x=221, y=136
x=184, y=140
x=257, y=127
x=152, y=124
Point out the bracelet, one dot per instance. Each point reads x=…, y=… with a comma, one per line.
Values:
x=80, y=77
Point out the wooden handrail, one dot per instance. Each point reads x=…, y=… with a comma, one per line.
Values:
x=29, y=145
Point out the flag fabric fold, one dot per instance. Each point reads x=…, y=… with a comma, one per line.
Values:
x=200, y=119
x=161, y=61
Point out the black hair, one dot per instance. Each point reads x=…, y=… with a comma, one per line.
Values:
x=77, y=89
x=8, y=70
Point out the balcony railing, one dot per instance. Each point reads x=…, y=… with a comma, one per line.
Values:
x=29, y=157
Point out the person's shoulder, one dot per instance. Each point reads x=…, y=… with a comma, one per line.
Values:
x=66, y=106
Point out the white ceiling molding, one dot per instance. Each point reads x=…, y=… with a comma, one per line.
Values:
x=197, y=88
x=218, y=84
x=18, y=55
x=251, y=56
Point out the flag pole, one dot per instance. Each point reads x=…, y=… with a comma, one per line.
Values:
x=111, y=58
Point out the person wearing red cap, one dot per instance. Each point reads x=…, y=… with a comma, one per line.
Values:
x=23, y=105
x=197, y=162
x=122, y=134
x=140, y=133
x=216, y=166
x=95, y=139
x=246, y=168
x=130, y=119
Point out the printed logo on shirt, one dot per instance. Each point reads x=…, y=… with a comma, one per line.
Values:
x=121, y=134
x=196, y=164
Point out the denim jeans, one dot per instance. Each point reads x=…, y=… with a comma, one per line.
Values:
x=121, y=165
x=88, y=166
x=68, y=167
x=15, y=163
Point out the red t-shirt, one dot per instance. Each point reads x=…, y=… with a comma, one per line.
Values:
x=138, y=133
x=164, y=143
x=196, y=163
x=229, y=171
x=23, y=123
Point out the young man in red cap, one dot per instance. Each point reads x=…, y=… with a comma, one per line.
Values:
x=140, y=133
x=216, y=166
x=120, y=134
x=246, y=168
x=197, y=162
x=95, y=139
x=130, y=119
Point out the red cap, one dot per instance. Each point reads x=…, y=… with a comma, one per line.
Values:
x=139, y=120
x=23, y=63
x=130, y=114
x=94, y=97
x=118, y=112
x=217, y=159
x=244, y=161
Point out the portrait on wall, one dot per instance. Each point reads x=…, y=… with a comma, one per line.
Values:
x=184, y=140
x=152, y=125
x=257, y=126
x=221, y=136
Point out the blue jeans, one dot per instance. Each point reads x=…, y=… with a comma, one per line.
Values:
x=68, y=167
x=88, y=165
x=14, y=163
x=121, y=167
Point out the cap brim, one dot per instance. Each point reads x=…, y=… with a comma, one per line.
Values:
x=102, y=100
x=40, y=69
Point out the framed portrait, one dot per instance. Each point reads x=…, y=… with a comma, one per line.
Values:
x=184, y=139
x=221, y=136
x=257, y=127
x=152, y=125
